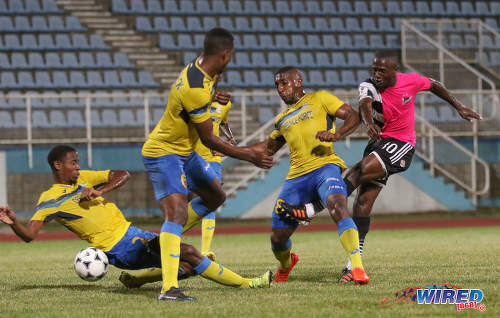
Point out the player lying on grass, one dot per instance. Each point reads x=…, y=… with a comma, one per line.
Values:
x=307, y=125
x=387, y=107
x=74, y=201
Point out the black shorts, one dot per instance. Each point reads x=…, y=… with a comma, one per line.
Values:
x=394, y=156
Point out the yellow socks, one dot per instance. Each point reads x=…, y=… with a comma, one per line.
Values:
x=170, y=247
x=282, y=253
x=207, y=232
x=349, y=238
x=221, y=274
x=193, y=218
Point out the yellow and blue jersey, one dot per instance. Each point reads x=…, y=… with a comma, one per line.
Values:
x=96, y=221
x=218, y=112
x=189, y=102
x=298, y=125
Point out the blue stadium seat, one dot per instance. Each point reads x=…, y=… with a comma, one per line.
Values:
x=266, y=41
x=153, y=7
x=337, y=25
x=63, y=42
x=170, y=7
x=128, y=79
x=198, y=40
x=39, y=24
x=20, y=119
x=362, y=75
x=422, y=8
x=16, y=103
x=57, y=119
x=250, y=41
x=127, y=118
x=75, y=119
x=266, y=78
x=4, y=61
x=250, y=79
x=368, y=58
x=241, y=59
x=329, y=41
x=77, y=79
x=109, y=118
x=189, y=57
x=437, y=8
x=241, y=24
x=16, y=7
x=456, y=41
x=377, y=8
x=323, y=59
x=306, y=24
x=368, y=24
x=56, y=24
x=360, y=41
x=144, y=24
x=185, y=41
x=313, y=7
x=282, y=42
x=111, y=79
x=94, y=79
x=73, y=24
x=25, y=80
x=291, y=58
x=298, y=41
x=352, y=24
x=297, y=7
x=226, y=23
x=209, y=23
x=121, y=61
x=137, y=7
x=348, y=78
x=266, y=7
x=315, y=79
x=345, y=7
x=22, y=24
x=103, y=60
x=314, y=42
x=483, y=10
x=12, y=42
x=393, y=8
x=282, y=7
x=258, y=24
x=392, y=41
x=354, y=59
x=234, y=78
x=218, y=6
x=49, y=6
x=18, y=61
x=452, y=9
x=361, y=8
x=42, y=80
x=275, y=59
x=7, y=80
x=259, y=60
x=29, y=42
x=345, y=41
x=385, y=24
x=119, y=6
x=338, y=59
x=329, y=7
x=235, y=7
x=35, y=60
x=273, y=24
x=146, y=79
x=321, y=24
x=332, y=78
x=6, y=120
x=187, y=7
x=97, y=42
x=177, y=24
x=39, y=119
x=166, y=41
x=53, y=60
x=6, y=24
x=80, y=41
x=69, y=60
x=407, y=8
x=306, y=59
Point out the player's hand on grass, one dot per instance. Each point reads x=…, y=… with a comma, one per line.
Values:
x=373, y=131
x=89, y=194
x=7, y=216
x=325, y=135
x=222, y=97
x=468, y=114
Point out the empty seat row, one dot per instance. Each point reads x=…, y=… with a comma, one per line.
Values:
x=67, y=60
x=28, y=7
x=40, y=24
x=312, y=78
x=455, y=41
x=55, y=41
x=75, y=119
x=50, y=99
x=268, y=24
x=308, y=7
x=323, y=60
x=76, y=79
x=285, y=42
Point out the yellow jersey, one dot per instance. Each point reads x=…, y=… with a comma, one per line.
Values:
x=97, y=221
x=189, y=102
x=298, y=125
x=218, y=112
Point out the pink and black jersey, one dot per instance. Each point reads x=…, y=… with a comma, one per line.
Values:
x=393, y=110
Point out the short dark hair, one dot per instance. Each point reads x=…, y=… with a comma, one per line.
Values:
x=286, y=69
x=57, y=154
x=393, y=55
x=217, y=40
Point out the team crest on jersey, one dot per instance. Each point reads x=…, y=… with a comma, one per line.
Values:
x=402, y=163
x=405, y=99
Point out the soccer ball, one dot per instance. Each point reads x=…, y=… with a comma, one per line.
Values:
x=91, y=264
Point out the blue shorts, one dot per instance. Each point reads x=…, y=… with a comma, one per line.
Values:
x=317, y=184
x=176, y=174
x=131, y=252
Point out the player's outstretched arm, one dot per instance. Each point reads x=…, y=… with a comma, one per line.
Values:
x=26, y=233
x=116, y=179
x=439, y=90
x=365, y=112
x=243, y=153
x=351, y=123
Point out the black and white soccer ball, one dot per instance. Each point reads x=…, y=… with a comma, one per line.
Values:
x=91, y=264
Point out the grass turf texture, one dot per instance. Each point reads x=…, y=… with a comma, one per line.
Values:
x=37, y=279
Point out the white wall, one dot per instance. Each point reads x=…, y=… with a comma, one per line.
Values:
x=399, y=196
x=3, y=179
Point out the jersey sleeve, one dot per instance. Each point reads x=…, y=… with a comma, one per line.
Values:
x=276, y=133
x=225, y=112
x=197, y=102
x=45, y=208
x=422, y=83
x=330, y=102
x=367, y=90
x=92, y=178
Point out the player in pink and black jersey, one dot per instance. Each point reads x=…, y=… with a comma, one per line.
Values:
x=387, y=108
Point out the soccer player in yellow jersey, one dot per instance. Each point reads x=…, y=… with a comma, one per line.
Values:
x=218, y=112
x=308, y=127
x=168, y=154
x=74, y=202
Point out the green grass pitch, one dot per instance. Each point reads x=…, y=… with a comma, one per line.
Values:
x=37, y=279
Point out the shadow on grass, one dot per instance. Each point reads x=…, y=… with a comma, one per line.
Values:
x=146, y=291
